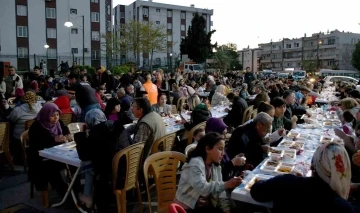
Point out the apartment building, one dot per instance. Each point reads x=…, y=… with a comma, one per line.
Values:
x=175, y=18
x=331, y=50
x=250, y=58
x=26, y=26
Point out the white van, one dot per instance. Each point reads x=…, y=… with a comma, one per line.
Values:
x=330, y=80
x=193, y=68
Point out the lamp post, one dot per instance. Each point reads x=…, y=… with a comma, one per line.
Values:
x=46, y=47
x=171, y=60
x=70, y=24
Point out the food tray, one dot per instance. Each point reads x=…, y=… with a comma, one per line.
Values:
x=297, y=145
x=304, y=136
x=286, y=143
x=276, y=151
x=255, y=179
x=289, y=155
x=326, y=139
x=330, y=116
x=284, y=169
x=293, y=134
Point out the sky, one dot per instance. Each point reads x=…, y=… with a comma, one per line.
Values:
x=250, y=22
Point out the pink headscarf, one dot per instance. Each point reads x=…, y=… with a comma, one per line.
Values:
x=44, y=118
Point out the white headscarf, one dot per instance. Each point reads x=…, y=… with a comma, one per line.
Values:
x=332, y=164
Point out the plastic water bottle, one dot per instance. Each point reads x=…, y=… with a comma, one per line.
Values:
x=324, y=108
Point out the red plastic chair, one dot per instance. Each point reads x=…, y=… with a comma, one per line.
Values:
x=176, y=208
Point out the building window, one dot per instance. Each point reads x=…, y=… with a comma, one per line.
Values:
x=183, y=15
x=22, y=31
x=74, y=50
x=157, y=61
x=146, y=12
x=95, y=54
x=330, y=63
x=158, y=10
x=50, y=13
x=95, y=17
x=169, y=37
x=73, y=11
x=95, y=1
x=331, y=41
x=21, y=10
x=109, y=26
x=51, y=33
x=51, y=54
x=22, y=52
x=182, y=37
x=109, y=10
x=95, y=35
x=74, y=31
x=122, y=15
x=183, y=27
x=169, y=26
x=296, y=44
x=122, y=26
x=169, y=13
x=157, y=22
x=288, y=46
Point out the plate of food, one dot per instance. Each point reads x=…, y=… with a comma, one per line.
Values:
x=284, y=169
x=293, y=134
x=271, y=163
x=286, y=143
x=326, y=139
x=289, y=155
x=276, y=151
x=297, y=145
x=256, y=179
x=304, y=136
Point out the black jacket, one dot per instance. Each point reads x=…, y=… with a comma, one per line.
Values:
x=245, y=139
x=200, y=114
x=294, y=109
x=314, y=194
x=236, y=113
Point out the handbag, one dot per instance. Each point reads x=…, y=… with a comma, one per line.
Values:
x=83, y=146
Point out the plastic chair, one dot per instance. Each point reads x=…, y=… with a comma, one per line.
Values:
x=4, y=142
x=189, y=149
x=165, y=143
x=191, y=133
x=76, y=127
x=66, y=118
x=173, y=109
x=176, y=208
x=133, y=156
x=28, y=124
x=247, y=113
x=163, y=165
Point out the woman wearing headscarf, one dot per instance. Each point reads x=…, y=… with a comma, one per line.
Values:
x=17, y=118
x=63, y=103
x=326, y=191
x=219, y=96
x=106, y=138
x=46, y=131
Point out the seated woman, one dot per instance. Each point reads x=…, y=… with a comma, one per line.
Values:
x=161, y=107
x=46, y=131
x=199, y=114
x=113, y=112
x=201, y=186
x=106, y=138
x=326, y=191
x=17, y=118
x=219, y=96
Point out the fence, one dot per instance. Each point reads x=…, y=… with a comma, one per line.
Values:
x=26, y=64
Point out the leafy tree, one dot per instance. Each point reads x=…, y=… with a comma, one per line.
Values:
x=197, y=44
x=309, y=65
x=356, y=57
x=153, y=37
x=226, y=57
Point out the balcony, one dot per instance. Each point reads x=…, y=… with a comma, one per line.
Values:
x=298, y=58
x=264, y=52
x=276, y=51
x=267, y=60
x=310, y=38
x=327, y=57
x=327, y=46
x=310, y=48
x=276, y=60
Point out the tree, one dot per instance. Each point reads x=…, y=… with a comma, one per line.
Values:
x=356, y=57
x=227, y=58
x=154, y=37
x=197, y=44
x=309, y=65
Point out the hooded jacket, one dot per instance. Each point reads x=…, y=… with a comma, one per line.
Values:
x=20, y=115
x=63, y=103
x=200, y=114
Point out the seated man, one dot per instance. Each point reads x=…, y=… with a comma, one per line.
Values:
x=293, y=108
x=235, y=115
x=248, y=139
x=280, y=121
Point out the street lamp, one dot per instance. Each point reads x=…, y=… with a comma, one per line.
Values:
x=70, y=24
x=46, y=47
x=171, y=60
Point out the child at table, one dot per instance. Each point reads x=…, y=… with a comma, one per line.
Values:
x=198, y=134
x=349, y=122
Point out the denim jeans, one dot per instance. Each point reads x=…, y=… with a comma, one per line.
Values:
x=89, y=183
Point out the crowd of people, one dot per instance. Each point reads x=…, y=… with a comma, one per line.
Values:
x=220, y=152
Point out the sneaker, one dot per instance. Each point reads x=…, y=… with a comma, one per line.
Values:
x=86, y=199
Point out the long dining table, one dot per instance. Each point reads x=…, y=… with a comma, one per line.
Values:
x=293, y=154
